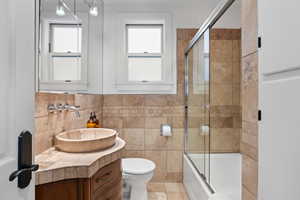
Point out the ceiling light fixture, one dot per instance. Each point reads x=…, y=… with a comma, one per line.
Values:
x=60, y=10
x=94, y=9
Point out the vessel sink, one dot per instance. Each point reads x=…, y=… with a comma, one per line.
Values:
x=85, y=140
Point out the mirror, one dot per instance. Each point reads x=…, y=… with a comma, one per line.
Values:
x=70, y=46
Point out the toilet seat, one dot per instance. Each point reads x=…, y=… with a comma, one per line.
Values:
x=137, y=166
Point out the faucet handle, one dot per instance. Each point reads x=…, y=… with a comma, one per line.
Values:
x=59, y=107
x=51, y=108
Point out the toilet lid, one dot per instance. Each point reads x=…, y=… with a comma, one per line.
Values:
x=137, y=166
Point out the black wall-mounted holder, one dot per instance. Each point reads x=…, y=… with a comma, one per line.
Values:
x=25, y=166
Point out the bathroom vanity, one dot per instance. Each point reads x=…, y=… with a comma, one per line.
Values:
x=80, y=176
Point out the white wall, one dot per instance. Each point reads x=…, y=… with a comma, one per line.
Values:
x=185, y=13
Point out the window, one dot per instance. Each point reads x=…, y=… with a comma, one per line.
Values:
x=145, y=53
x=144, y=50
x=65, y=50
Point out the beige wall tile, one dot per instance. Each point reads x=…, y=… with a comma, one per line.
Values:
x=113, y=111
x=221, y=122
x=249, y=27
x=154, y=141
x=237, y=48
x=133, y=100
x=133, y=111
x=249, y=140
x=133, y=122
x=176, y=177
x=154, y=122
x=236, y=94
x=222, y=72
x=156, y=100
x=221, y=50
x=113, y=100
x=225, y=140
x=176, y=141
x=236, y=72
x=174, y=161
x=249, y=150
x=41, y=124
x=186, y=34
x=221, y=94
x=249, y=174
x=176, y=122
x=250, y=88
x=246, y=195
x=134, y=138
x=112, y=122
x=41, y=104
x=196, y=141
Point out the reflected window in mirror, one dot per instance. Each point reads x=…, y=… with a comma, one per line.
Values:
x=65, y=52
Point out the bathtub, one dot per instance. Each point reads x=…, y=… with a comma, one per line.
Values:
x=225, y=177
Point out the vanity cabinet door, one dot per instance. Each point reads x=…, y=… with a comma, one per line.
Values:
x=78, y=189
x=107, y=175
x=106, y=184
x=111, y=191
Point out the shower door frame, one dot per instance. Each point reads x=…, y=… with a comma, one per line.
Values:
x=221, y=8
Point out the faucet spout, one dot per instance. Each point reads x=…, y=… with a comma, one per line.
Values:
x=73, y=108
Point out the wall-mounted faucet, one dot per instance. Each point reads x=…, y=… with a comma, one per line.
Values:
x=72, y=108
x=59, y=107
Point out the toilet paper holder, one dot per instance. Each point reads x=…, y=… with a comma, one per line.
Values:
x=166, y=130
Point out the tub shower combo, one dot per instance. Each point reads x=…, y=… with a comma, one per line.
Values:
x=212, y=159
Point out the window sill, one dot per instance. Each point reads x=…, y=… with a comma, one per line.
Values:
x=63, y=86
x=146, y=88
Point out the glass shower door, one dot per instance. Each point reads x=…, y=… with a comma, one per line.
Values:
x=197, y=146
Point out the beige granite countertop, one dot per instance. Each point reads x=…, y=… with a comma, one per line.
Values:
x=56, y=165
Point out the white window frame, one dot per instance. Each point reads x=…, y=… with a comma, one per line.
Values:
x=53, y=54
x=46, y=81
x=168, y=83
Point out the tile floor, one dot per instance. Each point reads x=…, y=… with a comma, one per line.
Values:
x=166, y=191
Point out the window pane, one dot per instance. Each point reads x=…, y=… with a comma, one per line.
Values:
x=66, y=68
x=144, y=69
x=66, y=39
x=143, y=39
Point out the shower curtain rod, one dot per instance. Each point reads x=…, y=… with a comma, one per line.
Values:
x=209, y=22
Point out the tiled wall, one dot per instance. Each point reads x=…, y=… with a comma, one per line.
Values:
x=249, y=141
x=225, y=110
x=49, y=124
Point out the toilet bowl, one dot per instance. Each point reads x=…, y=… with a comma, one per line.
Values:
x=137, y=172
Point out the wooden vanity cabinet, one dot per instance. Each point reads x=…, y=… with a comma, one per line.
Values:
x=106, y=184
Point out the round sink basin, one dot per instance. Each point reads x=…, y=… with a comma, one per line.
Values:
x=85, y=140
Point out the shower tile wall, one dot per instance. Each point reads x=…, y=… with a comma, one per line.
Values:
x=47, y=124
x=249, y=140
x=225, y=113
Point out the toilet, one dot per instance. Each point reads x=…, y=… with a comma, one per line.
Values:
x=137, y=172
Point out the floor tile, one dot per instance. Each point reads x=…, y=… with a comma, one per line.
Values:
x=157, y=196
